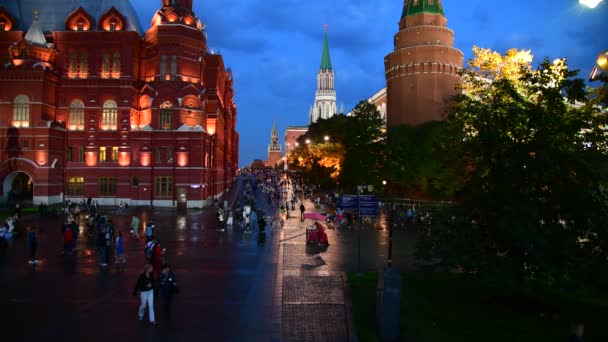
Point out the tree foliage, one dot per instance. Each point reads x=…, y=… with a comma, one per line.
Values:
x=535, y=202
x=352, y=154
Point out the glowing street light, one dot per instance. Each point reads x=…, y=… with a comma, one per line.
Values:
x=326, y=138
x=590, y=3
x=307, y=141
x=600, y=70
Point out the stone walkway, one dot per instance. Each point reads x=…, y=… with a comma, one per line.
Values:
x=314, y=304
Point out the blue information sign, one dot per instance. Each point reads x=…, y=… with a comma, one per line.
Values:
x=367, y=204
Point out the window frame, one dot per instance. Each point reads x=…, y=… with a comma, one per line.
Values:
x=21, y=111
x=75, y=186
x=163, y=186
x=109, y=116
x=107, y=186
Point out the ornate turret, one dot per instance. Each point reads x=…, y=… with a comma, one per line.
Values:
x=325, y=97
x=33, y=49
x=422, y=72
x=274, y=148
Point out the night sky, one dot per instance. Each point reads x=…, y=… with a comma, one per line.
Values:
x=274, y=47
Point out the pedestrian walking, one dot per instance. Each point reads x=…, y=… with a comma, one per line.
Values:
x=101, y=247
x=168, y=287
x=145, y=287
x=157, y=256
x=32, y=239
x=150, y=231
x=120, y=249
x=68, y=240
x=230, y=221
x=135, y=227
x=302, y=209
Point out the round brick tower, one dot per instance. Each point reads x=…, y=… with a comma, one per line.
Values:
x=422, y=72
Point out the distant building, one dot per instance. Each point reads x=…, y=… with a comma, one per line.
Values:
x=274, y=148
x=379, y=100
x=324, y=106
x=292, y=133
x=93, y=106
x=422, y=72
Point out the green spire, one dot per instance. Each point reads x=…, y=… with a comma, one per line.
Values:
x=413, y=7
x=325, y=58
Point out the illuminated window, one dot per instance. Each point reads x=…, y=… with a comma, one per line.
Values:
x=80, y=25
x=103, y=155
x=76, y=116
x=68, y=154
x=115, y=154
x=158, y=155
x=105, y=65
x=109, y=116
x=163, y=66
x=163, y=186
x=113, y=25
x=170, y=155
x=166, y=119
x=81, y=154
x=21, y=111
x=84, y=65
x=107, y=186
x=73, y=65
x=173, y=66
x=75, y=186
x=116, y=65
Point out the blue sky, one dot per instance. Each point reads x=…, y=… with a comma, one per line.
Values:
x=274, y=47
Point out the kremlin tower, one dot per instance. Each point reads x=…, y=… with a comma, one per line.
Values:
x=325, y=97
x=422, y=72
x=274, y=148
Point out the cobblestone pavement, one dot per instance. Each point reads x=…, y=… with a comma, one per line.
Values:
x=226, y=282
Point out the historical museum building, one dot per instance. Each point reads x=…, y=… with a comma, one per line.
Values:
x=422, y=72
x=93, y=106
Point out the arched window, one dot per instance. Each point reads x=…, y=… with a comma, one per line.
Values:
x=73, y=66
x=109, y=116
x=116, y=65
x=21, y=111
x=84, y=65
x=166, y=116
x=105, y=65
x=76, y=116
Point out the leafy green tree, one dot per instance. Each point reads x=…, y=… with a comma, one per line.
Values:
x=418, y=164
x=349, y=150
x=535, y=203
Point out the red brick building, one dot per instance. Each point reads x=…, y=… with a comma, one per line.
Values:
x=90, y=105
x=423, y=71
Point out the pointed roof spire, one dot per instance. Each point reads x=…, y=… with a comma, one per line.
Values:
x=34, y=34
x=413, y=7
x=325, y=58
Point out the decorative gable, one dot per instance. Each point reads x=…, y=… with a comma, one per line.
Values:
x=79, y=20
x=112, y=20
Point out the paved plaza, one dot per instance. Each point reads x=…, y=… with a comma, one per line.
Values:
x=233, y=287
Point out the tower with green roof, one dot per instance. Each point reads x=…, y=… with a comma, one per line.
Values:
x=423, y=71
x=324, y=106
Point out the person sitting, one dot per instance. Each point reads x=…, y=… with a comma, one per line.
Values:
x=322, y=236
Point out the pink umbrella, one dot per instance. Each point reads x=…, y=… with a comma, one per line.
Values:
x=315, y=216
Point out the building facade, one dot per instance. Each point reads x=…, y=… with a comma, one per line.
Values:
x=93, y=106
x=422, y=72
x=275, y=154
x=324, y=106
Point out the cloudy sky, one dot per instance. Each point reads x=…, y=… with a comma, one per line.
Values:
x=274, y=47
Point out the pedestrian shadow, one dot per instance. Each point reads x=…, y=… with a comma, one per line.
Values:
x=313, y=263
x=316, y=249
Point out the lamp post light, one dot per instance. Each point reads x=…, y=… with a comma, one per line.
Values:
x=600, y=70
x=307, y=141
x=326, y=138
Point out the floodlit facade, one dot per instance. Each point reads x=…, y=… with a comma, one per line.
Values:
x=93, y=106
